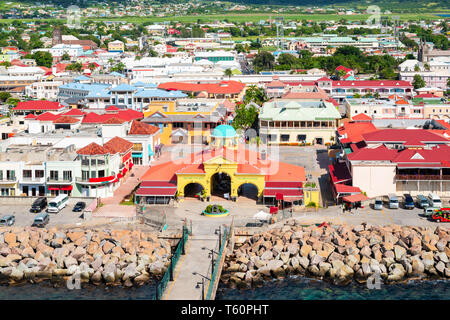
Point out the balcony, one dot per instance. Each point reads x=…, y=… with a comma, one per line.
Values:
x=51, y=180
x=32, y=180
x=421, y=177
x=8, y=180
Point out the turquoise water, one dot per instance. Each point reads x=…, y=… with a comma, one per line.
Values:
x=310, y=289
x=46, y=291
x=290, y=289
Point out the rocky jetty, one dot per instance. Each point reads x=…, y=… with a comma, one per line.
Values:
x=340, y=253
x=113, y=257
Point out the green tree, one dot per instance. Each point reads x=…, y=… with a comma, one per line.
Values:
x=287, y=59
x=118, y=67
x=43, y=58
x=228, y=73
x=256, y=95
x=65, y=57
x=263, y=61
x=418, y=82
x=4, y=96
x=245, y=117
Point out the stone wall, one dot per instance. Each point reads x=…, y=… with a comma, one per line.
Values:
x=340, y=253
x=96, y=256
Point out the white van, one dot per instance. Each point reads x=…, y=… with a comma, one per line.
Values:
x=57, y=204
x=434, y=201
x=393, y=201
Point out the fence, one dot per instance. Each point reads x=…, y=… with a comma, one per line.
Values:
x=217, y=266
x=151, y=216
x=168, y=275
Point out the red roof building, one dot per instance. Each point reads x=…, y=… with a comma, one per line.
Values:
x=38, y=106
x=223, y=89
x=142, y=128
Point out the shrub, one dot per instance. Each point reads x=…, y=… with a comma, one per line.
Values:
x=209, y=208
x=311, y=204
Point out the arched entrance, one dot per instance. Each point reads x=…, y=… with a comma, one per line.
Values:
x=248, y=190
x=192, y=189
x=221, y=184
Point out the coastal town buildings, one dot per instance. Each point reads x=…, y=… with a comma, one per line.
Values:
x=296, y=122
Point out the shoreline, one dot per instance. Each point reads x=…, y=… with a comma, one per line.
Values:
x=77, y=256
x=339, y=254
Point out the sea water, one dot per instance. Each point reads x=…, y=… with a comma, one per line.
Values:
x=300, y=288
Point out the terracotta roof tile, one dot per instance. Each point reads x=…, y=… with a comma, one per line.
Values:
x=65, y=119
x=118, y=145
x=93, y=149
x=142, y=128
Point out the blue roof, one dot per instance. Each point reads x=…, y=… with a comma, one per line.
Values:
x=158, y=93
x=144, y=85
x=224, y=131
x=123, y=87
x=81, y=78
x=117, y=74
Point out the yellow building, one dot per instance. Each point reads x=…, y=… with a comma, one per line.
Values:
x=116, y=46
x=226, y=172
x=184, y=123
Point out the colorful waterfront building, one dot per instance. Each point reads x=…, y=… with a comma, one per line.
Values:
x=227, y=172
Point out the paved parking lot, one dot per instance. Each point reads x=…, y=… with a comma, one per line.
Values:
x=25, y=218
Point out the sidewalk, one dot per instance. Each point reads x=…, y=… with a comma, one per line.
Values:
x=126, y=187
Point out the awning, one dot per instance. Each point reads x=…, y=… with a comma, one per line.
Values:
x=285, y=192
x=67, y=188
x=124, y=171
x=355, y=198
x=339, y=172
x=130, y=165
x=136, y=155
x=119, y=175
x=53, y=188
x=115, y=180
x=283, y=184
x=156, y=191
x=342, y=188
x=102, y=179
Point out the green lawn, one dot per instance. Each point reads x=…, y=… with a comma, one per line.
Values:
x=250, y=17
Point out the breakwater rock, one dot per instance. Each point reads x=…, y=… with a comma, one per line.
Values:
x=113, y=257
x=340, y=253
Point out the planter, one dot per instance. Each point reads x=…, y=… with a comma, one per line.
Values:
x=216, y=215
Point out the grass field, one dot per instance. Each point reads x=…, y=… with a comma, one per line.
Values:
x=255, y=17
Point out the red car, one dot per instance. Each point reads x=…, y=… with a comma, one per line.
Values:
x=442, y=215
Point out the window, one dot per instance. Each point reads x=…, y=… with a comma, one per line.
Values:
x=284, y=137
x=39, y=173
x=10, y=175
x=67, y=175
x=27, y=173
x=85, y=175
x=272, y=137
x=93, y=174
x=101, y=173
x=53, y=175
x=301, y=137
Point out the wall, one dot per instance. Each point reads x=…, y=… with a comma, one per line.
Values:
x=375, y=180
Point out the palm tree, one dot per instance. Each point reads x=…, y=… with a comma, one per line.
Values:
x=228, y=73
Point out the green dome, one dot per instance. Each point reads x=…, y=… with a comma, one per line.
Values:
x=224, y=131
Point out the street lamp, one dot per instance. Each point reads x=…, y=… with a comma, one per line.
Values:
x=219, y=231
x=203, y=283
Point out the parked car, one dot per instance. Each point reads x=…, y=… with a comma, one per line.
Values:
x=8, y=220
x=422, y=202
x=442, y=215
x=79, y=206
x=378, y=204
x=434, y=200
x=429, y=211
x=39, y=204
x=409, y=202
x=41, y=220
x=393, y=201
